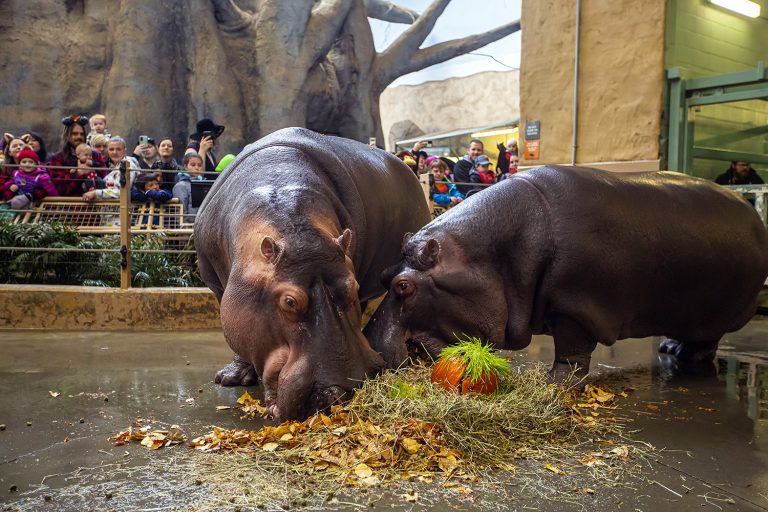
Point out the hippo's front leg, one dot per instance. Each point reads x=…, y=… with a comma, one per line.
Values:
x=573, y=350
x=237, y=373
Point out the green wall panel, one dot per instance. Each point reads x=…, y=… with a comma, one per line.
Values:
x=705, y=40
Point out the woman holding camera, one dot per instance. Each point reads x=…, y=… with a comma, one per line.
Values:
x=203, y=142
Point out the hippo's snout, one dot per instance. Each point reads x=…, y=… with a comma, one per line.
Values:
x=324, y=398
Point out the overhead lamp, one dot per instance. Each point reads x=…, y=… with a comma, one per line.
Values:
x=478, y=135
x=745, y=7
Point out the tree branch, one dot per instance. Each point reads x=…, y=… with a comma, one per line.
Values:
x=408, y=43
x=323, y=27
x=230, y=17
x=387, y=11
x=443, y=51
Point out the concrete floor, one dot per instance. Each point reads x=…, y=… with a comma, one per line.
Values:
x=714, y=429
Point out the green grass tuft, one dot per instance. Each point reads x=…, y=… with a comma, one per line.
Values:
x=478, y=357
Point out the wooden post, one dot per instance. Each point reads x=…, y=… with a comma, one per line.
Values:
x=125, y=225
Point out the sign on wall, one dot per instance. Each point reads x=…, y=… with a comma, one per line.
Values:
x=532, y=130
x=532, y=139
x=532, y=149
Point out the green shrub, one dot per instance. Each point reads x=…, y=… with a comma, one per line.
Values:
x=88, y=268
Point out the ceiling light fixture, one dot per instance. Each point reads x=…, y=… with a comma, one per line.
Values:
x=477, y=135
x=744, y=7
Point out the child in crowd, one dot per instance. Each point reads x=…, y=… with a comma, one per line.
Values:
x=442, y=190
x=84, y=171
x=147, y=188
x=481, y=173
x=29, y=182
x=193, y=171
x=99, y=143
x=98, y=127
x=514, y=160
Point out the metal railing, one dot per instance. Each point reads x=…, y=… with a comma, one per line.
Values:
x=120, y=233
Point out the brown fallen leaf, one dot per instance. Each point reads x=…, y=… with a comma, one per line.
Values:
x=362, y=470
x=410, y=445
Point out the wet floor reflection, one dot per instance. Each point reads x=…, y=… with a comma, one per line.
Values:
x=745, y=375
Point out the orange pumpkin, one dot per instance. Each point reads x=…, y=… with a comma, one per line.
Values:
x=486, y=384
x=448, y=372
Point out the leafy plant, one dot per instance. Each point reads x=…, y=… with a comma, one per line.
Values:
x=101, y=267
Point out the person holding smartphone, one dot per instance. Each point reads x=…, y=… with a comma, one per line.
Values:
x=203, y=142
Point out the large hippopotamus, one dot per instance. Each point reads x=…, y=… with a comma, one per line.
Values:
x=291, y=238
x=585, y=255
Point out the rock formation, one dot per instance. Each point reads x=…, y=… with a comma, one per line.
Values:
x=156, y=66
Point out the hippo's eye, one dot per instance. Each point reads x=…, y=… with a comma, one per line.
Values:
x=404, y=288
x=289, y=301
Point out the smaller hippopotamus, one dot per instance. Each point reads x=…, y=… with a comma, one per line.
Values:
x=584, y=255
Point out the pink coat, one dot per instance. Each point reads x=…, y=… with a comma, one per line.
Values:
x=30, y=181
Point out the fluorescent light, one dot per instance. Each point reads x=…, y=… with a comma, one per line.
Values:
x=744, y=7
x=477, y=135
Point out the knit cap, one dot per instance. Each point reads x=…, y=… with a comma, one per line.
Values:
x=27, y=153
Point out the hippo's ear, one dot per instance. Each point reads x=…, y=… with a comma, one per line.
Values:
x=270, y=249
x=406, y=237
x=345, y=241
x=429, y=254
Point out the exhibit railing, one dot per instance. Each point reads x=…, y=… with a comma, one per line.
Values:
x=97, y=242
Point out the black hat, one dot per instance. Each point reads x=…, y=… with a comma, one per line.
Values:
x=206, y=125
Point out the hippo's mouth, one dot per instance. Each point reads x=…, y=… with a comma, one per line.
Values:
x=321, y=399
x=425, y=347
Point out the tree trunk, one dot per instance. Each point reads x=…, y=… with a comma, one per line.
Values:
x=155, y=67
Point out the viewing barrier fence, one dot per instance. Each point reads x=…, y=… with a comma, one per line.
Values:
x=112, y=242
x=106, y=242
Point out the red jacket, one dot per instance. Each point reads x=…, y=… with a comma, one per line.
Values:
x=68, y=183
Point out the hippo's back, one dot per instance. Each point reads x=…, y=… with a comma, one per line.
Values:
x=657, y=253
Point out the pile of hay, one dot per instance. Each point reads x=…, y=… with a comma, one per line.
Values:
x=402, y=428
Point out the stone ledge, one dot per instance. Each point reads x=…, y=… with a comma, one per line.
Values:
x=107, y=309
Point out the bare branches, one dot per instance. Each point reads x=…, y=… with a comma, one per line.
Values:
x=444, y=51
x=387, y=11
x=409, y=41
x=230, y=17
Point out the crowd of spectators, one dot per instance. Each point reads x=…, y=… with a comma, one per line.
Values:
x=88, y=160
x=452, y=182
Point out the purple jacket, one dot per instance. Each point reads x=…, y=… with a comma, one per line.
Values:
x=29, y=181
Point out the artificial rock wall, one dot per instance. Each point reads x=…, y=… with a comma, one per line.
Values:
x=452, y=104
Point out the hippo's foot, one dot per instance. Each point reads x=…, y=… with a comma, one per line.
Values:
x=689, y=353
x=237, y=373
x=568, y=374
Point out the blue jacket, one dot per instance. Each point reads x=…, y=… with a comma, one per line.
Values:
x=444, y=199
x=159, y=196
